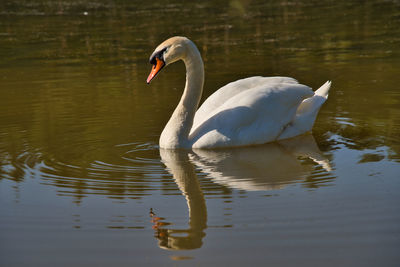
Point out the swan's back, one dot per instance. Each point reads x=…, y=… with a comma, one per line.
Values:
x=255, y=115
x=230, y=90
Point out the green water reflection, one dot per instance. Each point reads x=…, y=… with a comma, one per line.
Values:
x=77, y=118
x=71, y=83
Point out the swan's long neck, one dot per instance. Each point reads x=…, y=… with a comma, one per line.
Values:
x=176, y=132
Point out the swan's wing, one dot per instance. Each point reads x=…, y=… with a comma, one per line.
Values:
x=230, y=90
x=306, y=113
x=253, y=116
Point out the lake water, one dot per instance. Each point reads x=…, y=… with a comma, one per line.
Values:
x=84, y=183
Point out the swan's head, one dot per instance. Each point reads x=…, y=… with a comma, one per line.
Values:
x=169, y=51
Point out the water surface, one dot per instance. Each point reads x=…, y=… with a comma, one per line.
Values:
x=83, y=182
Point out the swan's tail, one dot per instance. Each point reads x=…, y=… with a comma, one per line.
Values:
x=324, y=90
x=307, y=113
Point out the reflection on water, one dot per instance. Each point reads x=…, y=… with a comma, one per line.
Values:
x=124, y=177
x=136, y=170
x=184, y=175
x=267, y=167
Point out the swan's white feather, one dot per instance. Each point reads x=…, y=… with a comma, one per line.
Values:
x=255, y=115
x=306, y=113
x=231, y=89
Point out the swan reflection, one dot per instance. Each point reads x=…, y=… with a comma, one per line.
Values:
x=266, y=167
x=179, y=165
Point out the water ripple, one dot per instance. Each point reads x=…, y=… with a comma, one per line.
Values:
x=135, y=173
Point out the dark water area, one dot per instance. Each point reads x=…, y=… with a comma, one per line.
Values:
x=83, y=181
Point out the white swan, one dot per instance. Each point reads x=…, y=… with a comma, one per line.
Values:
x=250, y=111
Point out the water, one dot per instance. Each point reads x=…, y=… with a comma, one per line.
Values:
x=84, y=183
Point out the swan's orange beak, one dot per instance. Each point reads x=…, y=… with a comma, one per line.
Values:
x=156, y=69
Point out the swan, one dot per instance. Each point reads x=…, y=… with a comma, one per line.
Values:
x=250, y=111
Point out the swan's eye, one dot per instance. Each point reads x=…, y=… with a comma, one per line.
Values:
x=159, y=55
x=153, y=60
